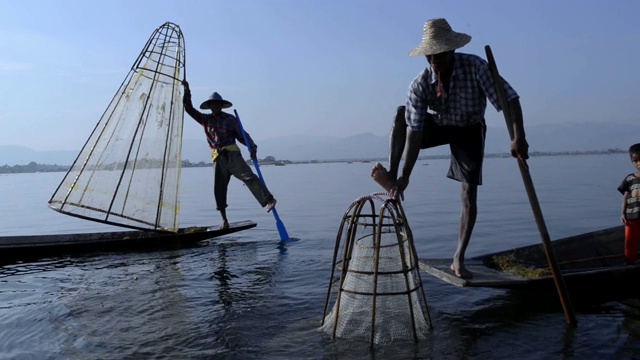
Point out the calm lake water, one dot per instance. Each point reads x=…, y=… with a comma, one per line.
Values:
x=242, y=296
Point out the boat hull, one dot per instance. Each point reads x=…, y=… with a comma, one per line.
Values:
x=28, y=247
x=589, y=260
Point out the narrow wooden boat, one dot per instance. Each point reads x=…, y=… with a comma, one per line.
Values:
x=590, y=260
x=15, y=248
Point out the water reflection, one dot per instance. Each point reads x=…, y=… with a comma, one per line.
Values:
x=532, y=325
x=241, y=275
x=141, y=292
x=224, y=277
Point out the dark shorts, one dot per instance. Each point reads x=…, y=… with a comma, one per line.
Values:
x=467, y=148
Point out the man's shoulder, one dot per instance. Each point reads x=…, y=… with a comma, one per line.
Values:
x=469, y=58
x=422, y=77
x=225, y=115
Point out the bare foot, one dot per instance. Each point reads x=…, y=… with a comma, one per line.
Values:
x=381, y=176
x=225, y=225
x=271, y=204
x=461, y=272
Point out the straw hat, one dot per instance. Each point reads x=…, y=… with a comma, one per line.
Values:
x=215, y=97
x=438, y=37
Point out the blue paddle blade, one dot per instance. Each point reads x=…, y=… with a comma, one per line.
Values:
x=284, y=236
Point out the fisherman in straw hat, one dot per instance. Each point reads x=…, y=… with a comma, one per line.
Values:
x=222, y=131
x=446, y=105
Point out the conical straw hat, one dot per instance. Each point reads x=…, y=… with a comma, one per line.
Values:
x=438, y=37
x=215, y=97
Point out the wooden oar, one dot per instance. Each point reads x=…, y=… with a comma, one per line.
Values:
x=284, y=236
x=533, y=199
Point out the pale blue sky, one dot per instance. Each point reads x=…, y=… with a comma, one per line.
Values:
x=308, y=67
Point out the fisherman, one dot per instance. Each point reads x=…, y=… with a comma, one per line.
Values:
x=222, y=131
x=446, y=105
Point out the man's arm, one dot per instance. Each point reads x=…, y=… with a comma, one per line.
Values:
x=253, y=148
x=519, y=145
x=413, y=141
x=625, y=198
x=188, y=105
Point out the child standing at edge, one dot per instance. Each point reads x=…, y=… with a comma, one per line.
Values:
x=630, y=189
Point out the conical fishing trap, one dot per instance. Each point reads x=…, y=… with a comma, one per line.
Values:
x=128, y=171
x=379, y=296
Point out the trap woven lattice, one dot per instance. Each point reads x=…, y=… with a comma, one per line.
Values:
x=378, y=294
x=128, y=171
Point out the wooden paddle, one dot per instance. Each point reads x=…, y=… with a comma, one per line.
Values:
x=284, y=236
x=533, y=199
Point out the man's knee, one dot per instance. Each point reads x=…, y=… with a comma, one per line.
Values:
x=399, y=120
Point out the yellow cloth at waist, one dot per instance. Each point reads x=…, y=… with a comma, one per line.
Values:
x=216, y=152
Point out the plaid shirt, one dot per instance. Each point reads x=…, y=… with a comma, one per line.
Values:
x=221, y=130
x=465, y=102
x=631, y=184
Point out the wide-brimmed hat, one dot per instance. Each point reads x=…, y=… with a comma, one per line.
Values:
x=438, y=37
x=215, y=97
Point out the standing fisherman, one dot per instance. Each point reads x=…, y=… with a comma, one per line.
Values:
x=222, y=131
x=446, y=105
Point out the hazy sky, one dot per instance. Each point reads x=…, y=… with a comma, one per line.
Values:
x=308, y=67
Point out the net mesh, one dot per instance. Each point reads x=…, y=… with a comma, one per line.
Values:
x=128, y=171
x=381, y=301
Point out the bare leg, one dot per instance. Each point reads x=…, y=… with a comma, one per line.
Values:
x=225, y=222
x=468, y=216
x=220, y=186
x=397, y=140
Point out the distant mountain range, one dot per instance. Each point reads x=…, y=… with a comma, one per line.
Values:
x=563, y=137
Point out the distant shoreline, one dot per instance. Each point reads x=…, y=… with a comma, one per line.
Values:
x=34, y=167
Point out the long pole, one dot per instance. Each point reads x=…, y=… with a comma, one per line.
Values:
x=533, y=198
x=284, y=236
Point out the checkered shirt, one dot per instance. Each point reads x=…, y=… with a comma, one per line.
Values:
x=464, y=104
x=221, y=130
